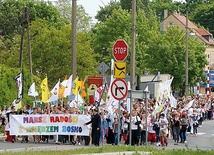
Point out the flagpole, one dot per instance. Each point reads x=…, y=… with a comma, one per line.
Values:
x=34, y=101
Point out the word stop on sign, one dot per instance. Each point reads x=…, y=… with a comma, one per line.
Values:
x=120, y=50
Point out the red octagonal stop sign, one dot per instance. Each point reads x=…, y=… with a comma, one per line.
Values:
x=120, y=50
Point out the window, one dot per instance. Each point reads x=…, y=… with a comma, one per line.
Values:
x=170, y=24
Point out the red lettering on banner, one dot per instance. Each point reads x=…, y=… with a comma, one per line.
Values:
x=52, y=119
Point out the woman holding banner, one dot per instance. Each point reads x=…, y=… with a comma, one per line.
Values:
x=13, y=112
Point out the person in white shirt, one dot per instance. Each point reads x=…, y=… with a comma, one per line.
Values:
x=163, y=123
x=134, y=127
x=190, y=112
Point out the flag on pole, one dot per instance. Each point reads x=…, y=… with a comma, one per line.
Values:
x=189, y=105
x=20, y=84
x=32, y=90
x=82, y=87
x=146, y=89
x=110, y=99
x=173, y=101
x=75, y=86
x=18, y=105
x=163, y=92
x=98, y=93
x=44, y=87
x=55, y=93
x=68, y=87
x=79, y=100
x=62, y=87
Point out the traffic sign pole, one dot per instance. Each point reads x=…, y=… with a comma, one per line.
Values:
x=119, y=88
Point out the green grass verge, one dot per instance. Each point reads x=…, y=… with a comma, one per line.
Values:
x=123, y=148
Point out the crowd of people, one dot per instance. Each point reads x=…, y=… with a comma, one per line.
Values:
x=113, y=127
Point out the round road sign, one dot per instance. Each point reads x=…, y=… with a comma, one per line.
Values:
x=119, y=89
x=120, y=50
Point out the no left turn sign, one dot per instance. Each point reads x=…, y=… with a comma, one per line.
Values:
x=119, y=89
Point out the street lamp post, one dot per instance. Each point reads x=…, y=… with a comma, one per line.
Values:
x=186, y=57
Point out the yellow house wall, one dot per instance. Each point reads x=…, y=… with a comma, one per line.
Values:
x=174, y=22
x=210, y=51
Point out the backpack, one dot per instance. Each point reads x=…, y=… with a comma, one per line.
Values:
x=155, y=126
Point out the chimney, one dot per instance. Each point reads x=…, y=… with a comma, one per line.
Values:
x=165, y=13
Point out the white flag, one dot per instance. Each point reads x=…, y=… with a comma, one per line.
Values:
x=55, y=93
x=146, y=89
x=173, y=101
x=79, y=99
x=32, y=90
x=64, y=83
x=188, y=105
x=68, y=87
x=110, y=99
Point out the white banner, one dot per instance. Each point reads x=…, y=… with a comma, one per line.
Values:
x=56, y=124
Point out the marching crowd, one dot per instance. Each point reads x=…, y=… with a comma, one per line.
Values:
x=113, y=126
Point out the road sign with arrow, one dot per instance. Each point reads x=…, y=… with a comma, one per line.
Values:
x=119, y=89
x=119, y=70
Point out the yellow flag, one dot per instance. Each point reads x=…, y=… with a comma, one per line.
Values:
x=18, y=105
x=44, y=87
x=82, y=87
x=75, y=86
x=62, y=88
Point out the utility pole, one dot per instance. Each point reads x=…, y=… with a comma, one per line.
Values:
x=22, y=38
x=73, y=42
x=29, y=44
x=132, y=72
x=26, y=22
x=186, y=56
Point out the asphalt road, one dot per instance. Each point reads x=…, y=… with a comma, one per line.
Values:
x=204, y=140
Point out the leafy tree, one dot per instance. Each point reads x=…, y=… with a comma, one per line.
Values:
x=126, y=4
x=118, y=26
x=84, y=21
x=168, y=56
x=8, y=88
x=204, y=16
x=106, y=11
x=51, y=52
x=158, y=6
x=140, y=4
x=11, y=15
